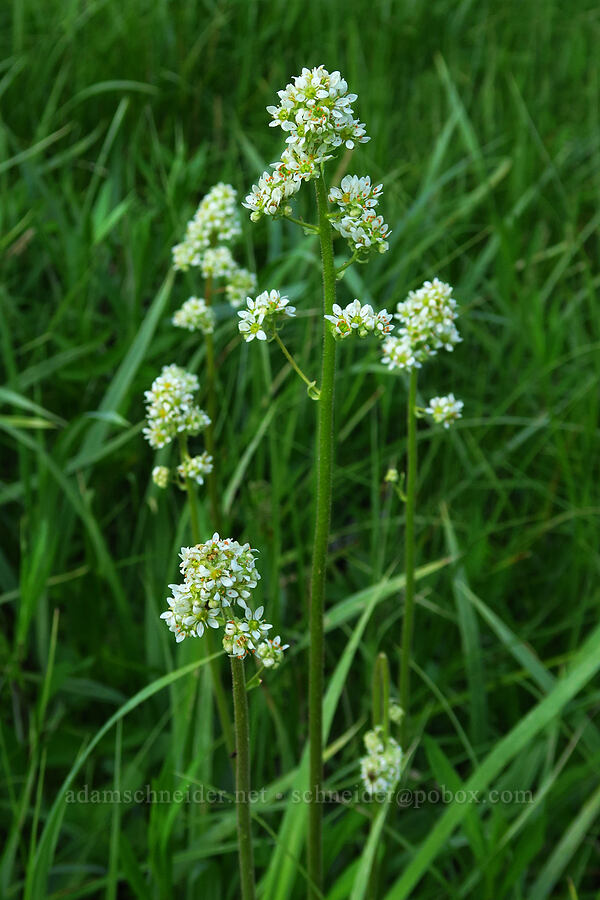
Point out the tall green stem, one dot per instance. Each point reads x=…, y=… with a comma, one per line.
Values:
x=242, y=779
x=211, y=408
x=321, y=540
x=409, y=555
x=220, y=698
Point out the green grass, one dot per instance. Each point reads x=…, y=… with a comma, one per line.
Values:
x=115, y=118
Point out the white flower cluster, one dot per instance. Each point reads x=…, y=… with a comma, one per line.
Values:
x=241, y=283
x=218, y=262
x=359, y=320
x=170, y=408
x=380, y=769
x=270, y=652
x=215, y=221
x=263, y=315
x=398, y=353
x=356, y=220
x=160, y=476
x=445, y=410
x=217, y=575
x=195, y=315
x=196, y=467
x=316, y=112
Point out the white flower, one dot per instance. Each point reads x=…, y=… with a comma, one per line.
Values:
x=268, y=197
x=270, y=652
x=316, y=110
x=170, y=409
x=188, y=615
x=398, y=353
x=195, y=315
x=241, y=283
x=196, y=467
x=222, y=571
x=392, y=476
x=445, y=410
x=237, y=642
x=381, y=767
x=360, y=320
x=218, y=262
x=160, y=476
x=216, y=221
x=355, y=219
x=263, y=314
x=254, y=624
x=428, y=319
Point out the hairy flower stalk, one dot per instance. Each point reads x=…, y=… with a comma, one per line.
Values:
x=315, y=113
x=321, y=540
x=242, y=779
x=409, y=551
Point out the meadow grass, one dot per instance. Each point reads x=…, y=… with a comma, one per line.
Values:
x=114, y=119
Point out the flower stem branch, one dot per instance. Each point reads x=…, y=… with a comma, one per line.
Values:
x=307, y=225
x=321, y=540
x=342, y=268
x=409, y=555
x=242, y=779
x=310, y=384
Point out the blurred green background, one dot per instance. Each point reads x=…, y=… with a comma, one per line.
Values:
x=115, y=119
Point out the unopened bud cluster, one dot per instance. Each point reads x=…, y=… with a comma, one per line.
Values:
x=219, y=575
x=381, y=767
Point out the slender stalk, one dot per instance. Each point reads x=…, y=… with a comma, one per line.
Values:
x=308, y=225
x=321, y=540
x=207, y=639
x=409, y=555
x=211, y=408
x=293, y=363
x=242, y=779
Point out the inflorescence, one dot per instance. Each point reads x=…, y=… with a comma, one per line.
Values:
x=359, y=320
x=315, y=111
x=170, y=407
x=428, y=324
x=218, y=575
x=263, y=317
x=444, y=410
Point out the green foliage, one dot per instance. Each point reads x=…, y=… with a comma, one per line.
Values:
x=115, y=119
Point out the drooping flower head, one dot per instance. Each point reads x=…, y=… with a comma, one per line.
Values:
x=359, y=320
x=216, y=221
x=315, y=110
x=195, y=315
x=381, y=767
x=445, y=410
x=170, y=408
